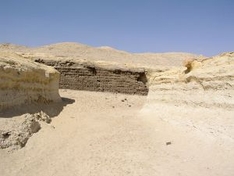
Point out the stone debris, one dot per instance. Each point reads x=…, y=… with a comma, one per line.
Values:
x=41, y=116
x=168, y=143
x=17, y=137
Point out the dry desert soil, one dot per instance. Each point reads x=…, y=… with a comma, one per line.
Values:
x=178, y=129
x=112, y=134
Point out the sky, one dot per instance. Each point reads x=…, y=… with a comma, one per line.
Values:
x=196, y=26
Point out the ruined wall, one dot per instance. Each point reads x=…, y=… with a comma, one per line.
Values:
x=93, y=78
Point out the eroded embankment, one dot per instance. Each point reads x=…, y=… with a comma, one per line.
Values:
x=24, y=82
x=24, y=86
x=208, y=83
x=90, y=77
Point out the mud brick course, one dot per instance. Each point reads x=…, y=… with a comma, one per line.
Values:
x=83, y=76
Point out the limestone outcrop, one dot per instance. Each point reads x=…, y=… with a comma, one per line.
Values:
x=203, y=83
x=216, y=73
x=23, y=81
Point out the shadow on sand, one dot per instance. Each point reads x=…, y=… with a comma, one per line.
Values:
x=51, y=109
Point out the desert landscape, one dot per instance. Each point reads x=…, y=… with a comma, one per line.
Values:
x=72, y=109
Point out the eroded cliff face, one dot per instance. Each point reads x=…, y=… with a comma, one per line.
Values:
x=24, y=82
x=102, y=69
x=204, y=83
x=200, y=82
x=215, y=73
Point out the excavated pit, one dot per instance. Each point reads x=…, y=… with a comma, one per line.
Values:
x=90, y=77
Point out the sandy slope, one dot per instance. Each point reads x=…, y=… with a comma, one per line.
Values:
x=109, y=134
x=79, y=52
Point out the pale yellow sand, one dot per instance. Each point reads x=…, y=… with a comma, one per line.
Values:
x=104, y=134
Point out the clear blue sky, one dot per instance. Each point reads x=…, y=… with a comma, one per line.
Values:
x=197, y=26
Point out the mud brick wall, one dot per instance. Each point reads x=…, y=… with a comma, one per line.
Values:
x=85, y=77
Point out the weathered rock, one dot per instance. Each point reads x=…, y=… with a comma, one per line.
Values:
x=23, y=81
x=216, y=73
x=17, y=137
x=17, y=132
x=204, y=83
x=41, y=116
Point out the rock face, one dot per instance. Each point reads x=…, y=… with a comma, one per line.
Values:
x=16, y=134
x=90, y=77
x=23, y=81
x=100, y=69
x=215, y=73
x=204, y=83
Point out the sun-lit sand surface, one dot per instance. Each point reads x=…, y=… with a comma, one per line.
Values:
x=116, y=134
x=183, y=127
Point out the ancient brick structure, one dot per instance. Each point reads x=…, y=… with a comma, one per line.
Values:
x=80, y=76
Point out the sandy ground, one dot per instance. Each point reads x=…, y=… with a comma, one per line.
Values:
x=105, y=134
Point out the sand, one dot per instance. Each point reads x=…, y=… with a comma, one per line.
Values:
x=105, y=134
x=184, y=127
